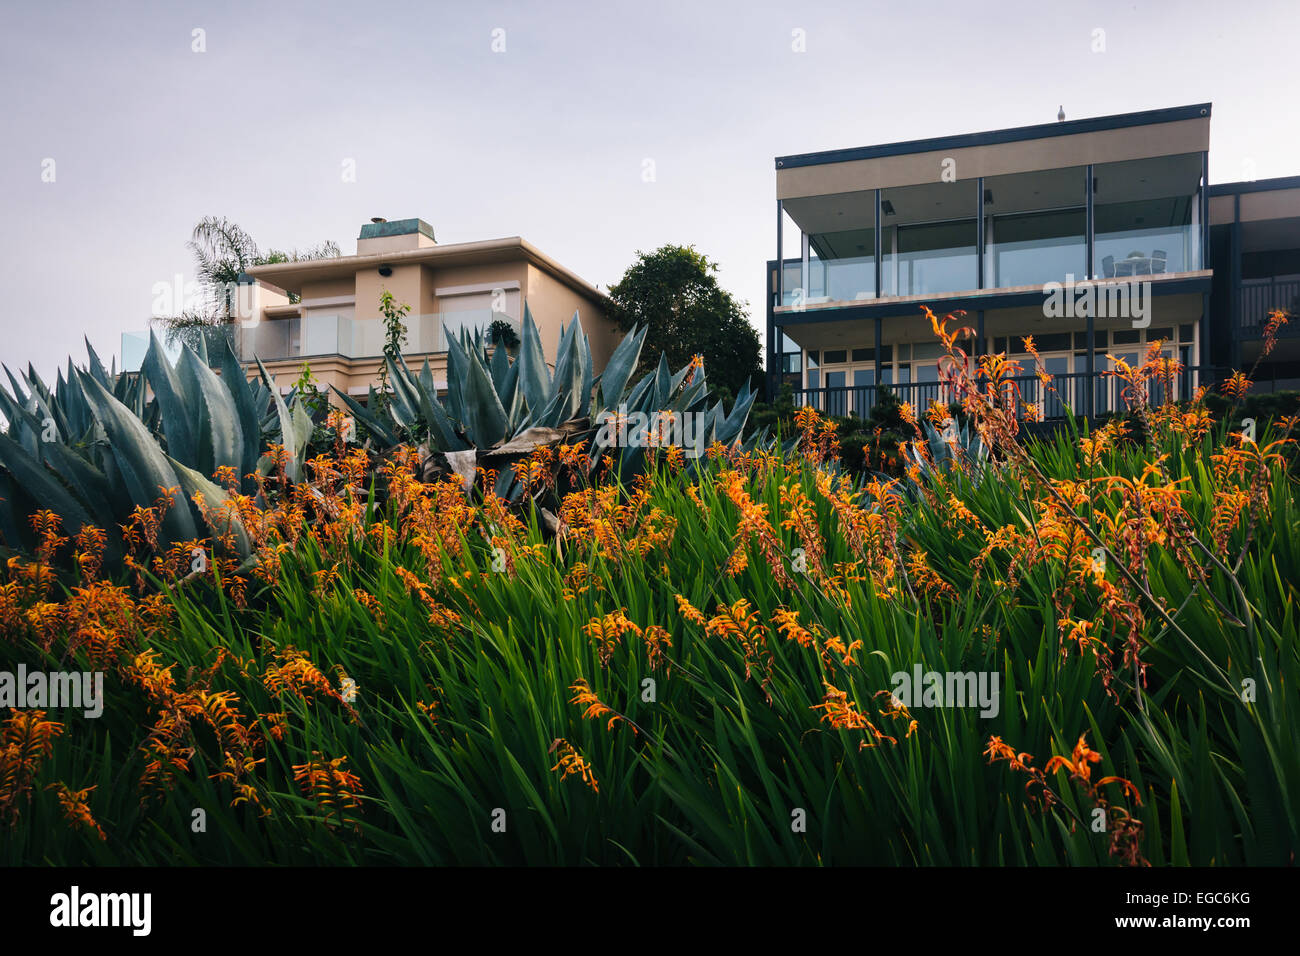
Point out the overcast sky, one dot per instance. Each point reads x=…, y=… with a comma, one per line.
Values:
x=549, y=139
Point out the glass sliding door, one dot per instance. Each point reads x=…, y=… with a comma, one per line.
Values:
x=864, y=391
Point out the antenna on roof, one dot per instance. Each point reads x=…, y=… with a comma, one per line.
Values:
x=1060, y=115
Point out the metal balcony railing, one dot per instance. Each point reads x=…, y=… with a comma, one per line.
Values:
x=1068, y=393
x=1261, y=296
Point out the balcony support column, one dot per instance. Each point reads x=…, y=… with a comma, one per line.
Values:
x=805, y=275
x=1235, y=319
x=979, y=234
x=1203, y=201
x=1203, y=353
x=1090, y=226
x=780, y=258
x=774, y=352
x=880, y=246
x=1090, y=270
x=1090, y=403
x=879, y=321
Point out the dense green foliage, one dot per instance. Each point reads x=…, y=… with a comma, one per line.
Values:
x=465, y=683
x=673, y=293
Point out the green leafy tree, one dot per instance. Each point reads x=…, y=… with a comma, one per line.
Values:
x=501, y=332
x=674, y=292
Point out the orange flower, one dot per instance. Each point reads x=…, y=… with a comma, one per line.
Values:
x=840, y=712
x=585, y=697
x=335, y=790
x=573, y=763
x=76, y=810
x=688, y=610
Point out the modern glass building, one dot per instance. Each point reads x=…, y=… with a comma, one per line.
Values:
x=1019, y=228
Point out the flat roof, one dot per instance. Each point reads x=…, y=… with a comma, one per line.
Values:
x=291, y=275
x=1015, y=135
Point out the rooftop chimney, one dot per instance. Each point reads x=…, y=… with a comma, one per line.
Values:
x=380, y=236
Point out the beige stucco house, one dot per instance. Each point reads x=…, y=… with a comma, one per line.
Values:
x=335, y=324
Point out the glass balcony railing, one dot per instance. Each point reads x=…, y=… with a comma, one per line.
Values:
x=136, y=344
x=1138, y=218
x=321, y=335
x=314, y=336
x=1034, y=261
x=1146, y=252
x=930, y=271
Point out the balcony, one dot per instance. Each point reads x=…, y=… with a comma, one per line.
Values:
x=1261, y=296
x=316, y=336
x=299, y=339
x=1013, y=232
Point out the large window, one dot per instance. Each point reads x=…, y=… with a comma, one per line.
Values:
x=1148, y=216
x=929, y=234
x=833, y=238
x=789, y=359
x=1035, y=227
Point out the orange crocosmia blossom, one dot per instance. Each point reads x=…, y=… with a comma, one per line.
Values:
x=334, y=789
x=840, y=712
x=688, y=610
x=76, y=810
x=571, y=762
x=584, y=696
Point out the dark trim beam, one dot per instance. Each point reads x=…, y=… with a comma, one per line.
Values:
x=780, y=257
x=1019, y=134
x=1090, y=223
x=1234, y=288
x=1255, y=186
x=880, y=250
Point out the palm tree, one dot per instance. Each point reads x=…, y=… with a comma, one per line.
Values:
x=222, y=252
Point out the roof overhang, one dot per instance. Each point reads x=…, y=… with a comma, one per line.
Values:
x=1106, y=139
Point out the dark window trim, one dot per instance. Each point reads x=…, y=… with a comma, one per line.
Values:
x=1014, y=135
x=1258, y=186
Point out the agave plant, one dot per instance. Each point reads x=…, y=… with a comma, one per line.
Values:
x=98, y=445
x=954, y=448
x=496, y=411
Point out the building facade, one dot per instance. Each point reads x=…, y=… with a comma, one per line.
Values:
x=1095, y=236
x=334, y=322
